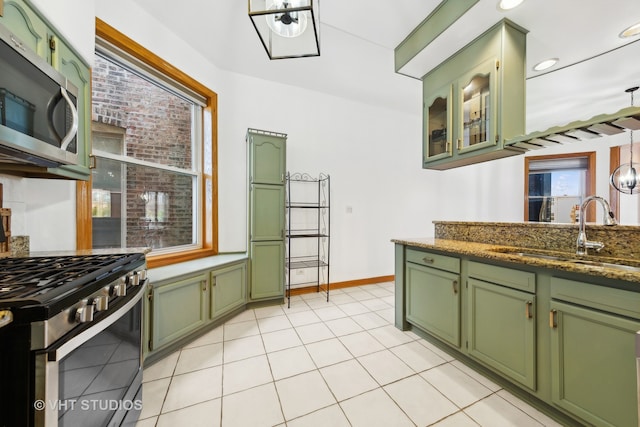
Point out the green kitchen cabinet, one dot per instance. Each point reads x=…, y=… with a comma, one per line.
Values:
x=267, y=218
x=184, y=299
x=31, y=31
x=34, y=32
x=593, y=352
x=433, y=294
x=475, y=101
x=267, y=271
x=228, y=290
x=267, y=157
x=177, y=309
x=266, y=226
x=501, y=329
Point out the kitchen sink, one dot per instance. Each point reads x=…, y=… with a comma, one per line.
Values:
x=589, y=260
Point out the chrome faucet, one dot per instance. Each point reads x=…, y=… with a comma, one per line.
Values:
x=582, y=243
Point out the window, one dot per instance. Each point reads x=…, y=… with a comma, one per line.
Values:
x=555, y=185
x=153, y=140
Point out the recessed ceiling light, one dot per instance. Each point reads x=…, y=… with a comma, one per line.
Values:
x=547, y=63
x=633, y=30
x=509, y=4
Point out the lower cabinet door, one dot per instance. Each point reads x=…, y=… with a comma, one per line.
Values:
x=501, y=330
x=433, y=301
x=593, y=365
x=267, y=269
x=228, y=287
x=177, y=309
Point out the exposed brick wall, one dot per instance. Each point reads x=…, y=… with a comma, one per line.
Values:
x=158, y=130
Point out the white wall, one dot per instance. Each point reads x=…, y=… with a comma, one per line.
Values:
x=373, y=155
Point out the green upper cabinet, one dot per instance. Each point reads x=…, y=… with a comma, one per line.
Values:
x=475, y=100
x=34, y=32
x=267, y=160
x=28, y=27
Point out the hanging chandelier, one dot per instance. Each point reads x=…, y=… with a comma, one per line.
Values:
x=625, y=178
x=287, y=28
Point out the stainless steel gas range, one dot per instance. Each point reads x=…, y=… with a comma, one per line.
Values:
x=70, y=340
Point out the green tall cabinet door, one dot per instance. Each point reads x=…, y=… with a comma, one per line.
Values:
x=267, y=160
x=267, y=168
x=267, y=270
x=593, y=365
x=267, y=219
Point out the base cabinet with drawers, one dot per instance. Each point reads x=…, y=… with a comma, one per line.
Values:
x=565, y=340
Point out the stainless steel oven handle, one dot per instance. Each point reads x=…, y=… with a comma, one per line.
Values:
x=85, y=336
x=74, y=117
x=6, y=317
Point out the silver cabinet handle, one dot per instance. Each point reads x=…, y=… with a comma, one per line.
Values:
x=428, y=260
x=455, y=287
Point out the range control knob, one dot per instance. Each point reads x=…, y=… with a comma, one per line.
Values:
x=120, y=288
x=84, y=313
x=101, y=302
x=134, y=278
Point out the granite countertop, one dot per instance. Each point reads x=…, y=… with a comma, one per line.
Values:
x=588, y=264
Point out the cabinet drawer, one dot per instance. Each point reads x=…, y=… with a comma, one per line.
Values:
x=429, y=259
x=516, y=279
x=625, y=303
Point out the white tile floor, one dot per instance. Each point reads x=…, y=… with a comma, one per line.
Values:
x=340, y=363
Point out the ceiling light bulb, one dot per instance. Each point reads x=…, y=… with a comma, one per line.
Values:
x=288, y=24
x=509, y=4
x=631, y=31
x=547, y=63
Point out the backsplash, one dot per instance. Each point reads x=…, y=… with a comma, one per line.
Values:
x=621, y=241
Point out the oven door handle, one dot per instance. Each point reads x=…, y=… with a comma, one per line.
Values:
x=66, y=348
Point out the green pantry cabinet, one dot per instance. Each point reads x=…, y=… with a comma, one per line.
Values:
x=37, y=34
x=267, y=169
x=180, y=304
x=475, y=100
x=569, y=343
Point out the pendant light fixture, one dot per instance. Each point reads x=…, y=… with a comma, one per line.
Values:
x=287, y=28
x=625, y=178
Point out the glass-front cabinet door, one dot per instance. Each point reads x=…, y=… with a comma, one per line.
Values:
x=438, y=124
x=477, y=107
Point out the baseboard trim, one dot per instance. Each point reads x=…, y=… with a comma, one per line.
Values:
x=346, y=284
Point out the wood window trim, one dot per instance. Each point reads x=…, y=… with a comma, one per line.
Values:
x=209, y=181
x=591, y=178
x=614, y=195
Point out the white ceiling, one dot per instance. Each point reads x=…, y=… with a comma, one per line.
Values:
x=357, y=39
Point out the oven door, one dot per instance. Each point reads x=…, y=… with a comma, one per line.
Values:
x=95, y=377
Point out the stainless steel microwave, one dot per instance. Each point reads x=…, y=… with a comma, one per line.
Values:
x=38, y=108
